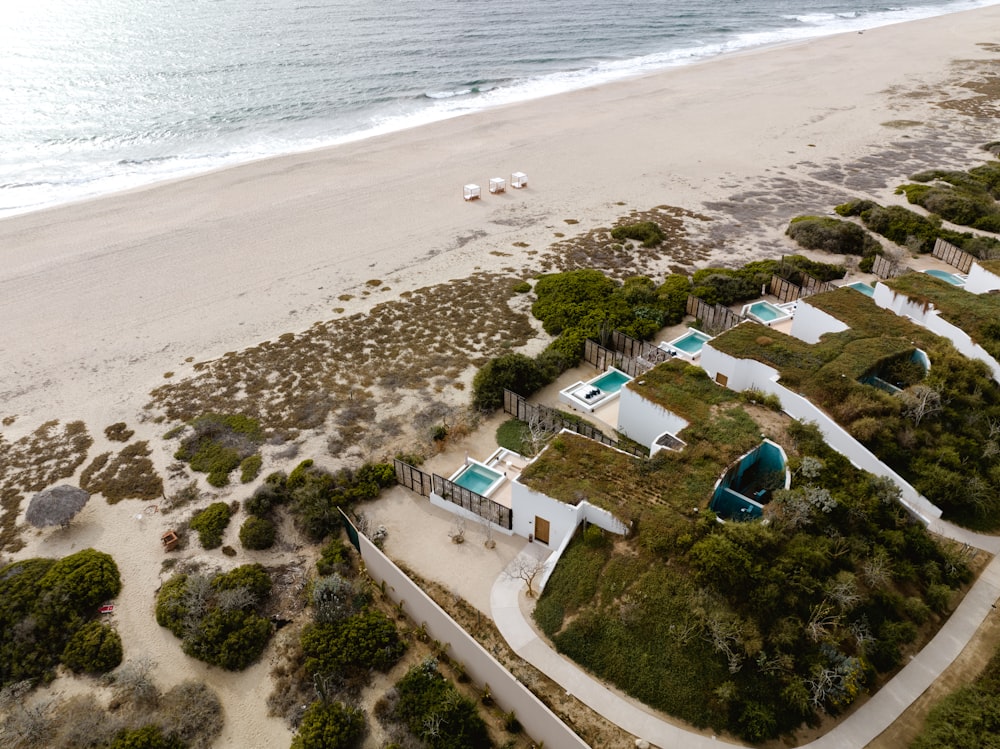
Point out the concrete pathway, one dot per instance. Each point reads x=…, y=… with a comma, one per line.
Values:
x=857, y=730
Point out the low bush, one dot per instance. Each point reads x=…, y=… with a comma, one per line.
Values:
x=515, y=372
x=217, y=618
x=358, y=643
x=147, y=737
x=250, y=468
x=219, y=444
x=832, y=235
x=95, y=648
x=210, y=524
x=330, y=726
x=333, y=557
x=257, y=533
x=435, y=712
x=648, y=233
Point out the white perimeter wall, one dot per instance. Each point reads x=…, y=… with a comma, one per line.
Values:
x=642, y=420
x=539, y=722
x=931, y=319
x=748, y=373
x=981, y=280
x=811, y=322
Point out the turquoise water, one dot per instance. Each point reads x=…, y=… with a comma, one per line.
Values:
x=862, y=287
x=477, y=478
x=766, y=311
x=611, y=381
x=105, y=95
x=691, y=343
x=946, y=276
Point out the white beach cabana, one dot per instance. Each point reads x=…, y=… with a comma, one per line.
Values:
x=519, y=180
x=471, y=192
x=498, y=184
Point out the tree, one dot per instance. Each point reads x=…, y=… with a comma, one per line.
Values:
x=526, y=568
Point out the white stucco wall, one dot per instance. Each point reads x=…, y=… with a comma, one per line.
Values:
x=811, y=322
x=642, y=420
x=928, y=317
x=981, y=280
x=745, y=373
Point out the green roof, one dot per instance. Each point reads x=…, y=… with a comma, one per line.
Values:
x=976, y=314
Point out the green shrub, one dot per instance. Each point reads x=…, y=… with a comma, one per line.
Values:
x=427, y=698
x=219, y=443
x=832, y=235
x=332, y=558
x=515, y=372
x=368, y=640
x=171, y=608
x=210, y=524
x=147, y=737
x=522, y=288
x=257, y=533
x=95, y=648
x=647, y=232
x=231, y=639
x=252, y=577
x=250, y=468
x=267, y=496
x=330, y=726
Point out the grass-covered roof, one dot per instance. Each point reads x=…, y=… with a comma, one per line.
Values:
x=722, y=429
x=976, y=314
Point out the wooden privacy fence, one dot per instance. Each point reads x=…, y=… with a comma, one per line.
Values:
x=636, y=349
x=884, y=267
x=549, y=418
x=714, y=317
x=786, y=291
x=413, y=478
x=482, y=506
x=955, y=257
x=602, y=358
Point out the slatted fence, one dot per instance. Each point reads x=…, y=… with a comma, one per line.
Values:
x=482, y=506
x=714, y=318
x=413, y=478
x=952, y=255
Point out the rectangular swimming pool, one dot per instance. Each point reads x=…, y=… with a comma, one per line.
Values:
x=611, y=381
x=477, y=478
x=766, y=312
x=691, y=342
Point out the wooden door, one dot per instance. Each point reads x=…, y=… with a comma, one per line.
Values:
x=541, y=529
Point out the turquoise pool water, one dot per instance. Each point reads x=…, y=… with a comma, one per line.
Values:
x=611, y=381
x=692, y=342
x=766, y=312
x=946, y=276
x=477, y=478
x=862, y=287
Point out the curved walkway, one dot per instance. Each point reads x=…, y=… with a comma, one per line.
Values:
x=857, y=730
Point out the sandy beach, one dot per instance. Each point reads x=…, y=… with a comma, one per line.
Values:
x=101, y=298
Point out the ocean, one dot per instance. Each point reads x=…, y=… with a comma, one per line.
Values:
x=98, y=96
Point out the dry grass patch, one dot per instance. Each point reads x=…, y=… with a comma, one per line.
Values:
x=130, y=475
x=34, y=462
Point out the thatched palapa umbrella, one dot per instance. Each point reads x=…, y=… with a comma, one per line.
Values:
x=56, y=506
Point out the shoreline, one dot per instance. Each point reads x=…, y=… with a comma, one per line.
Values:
x=138, y=273
x=374, y=130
